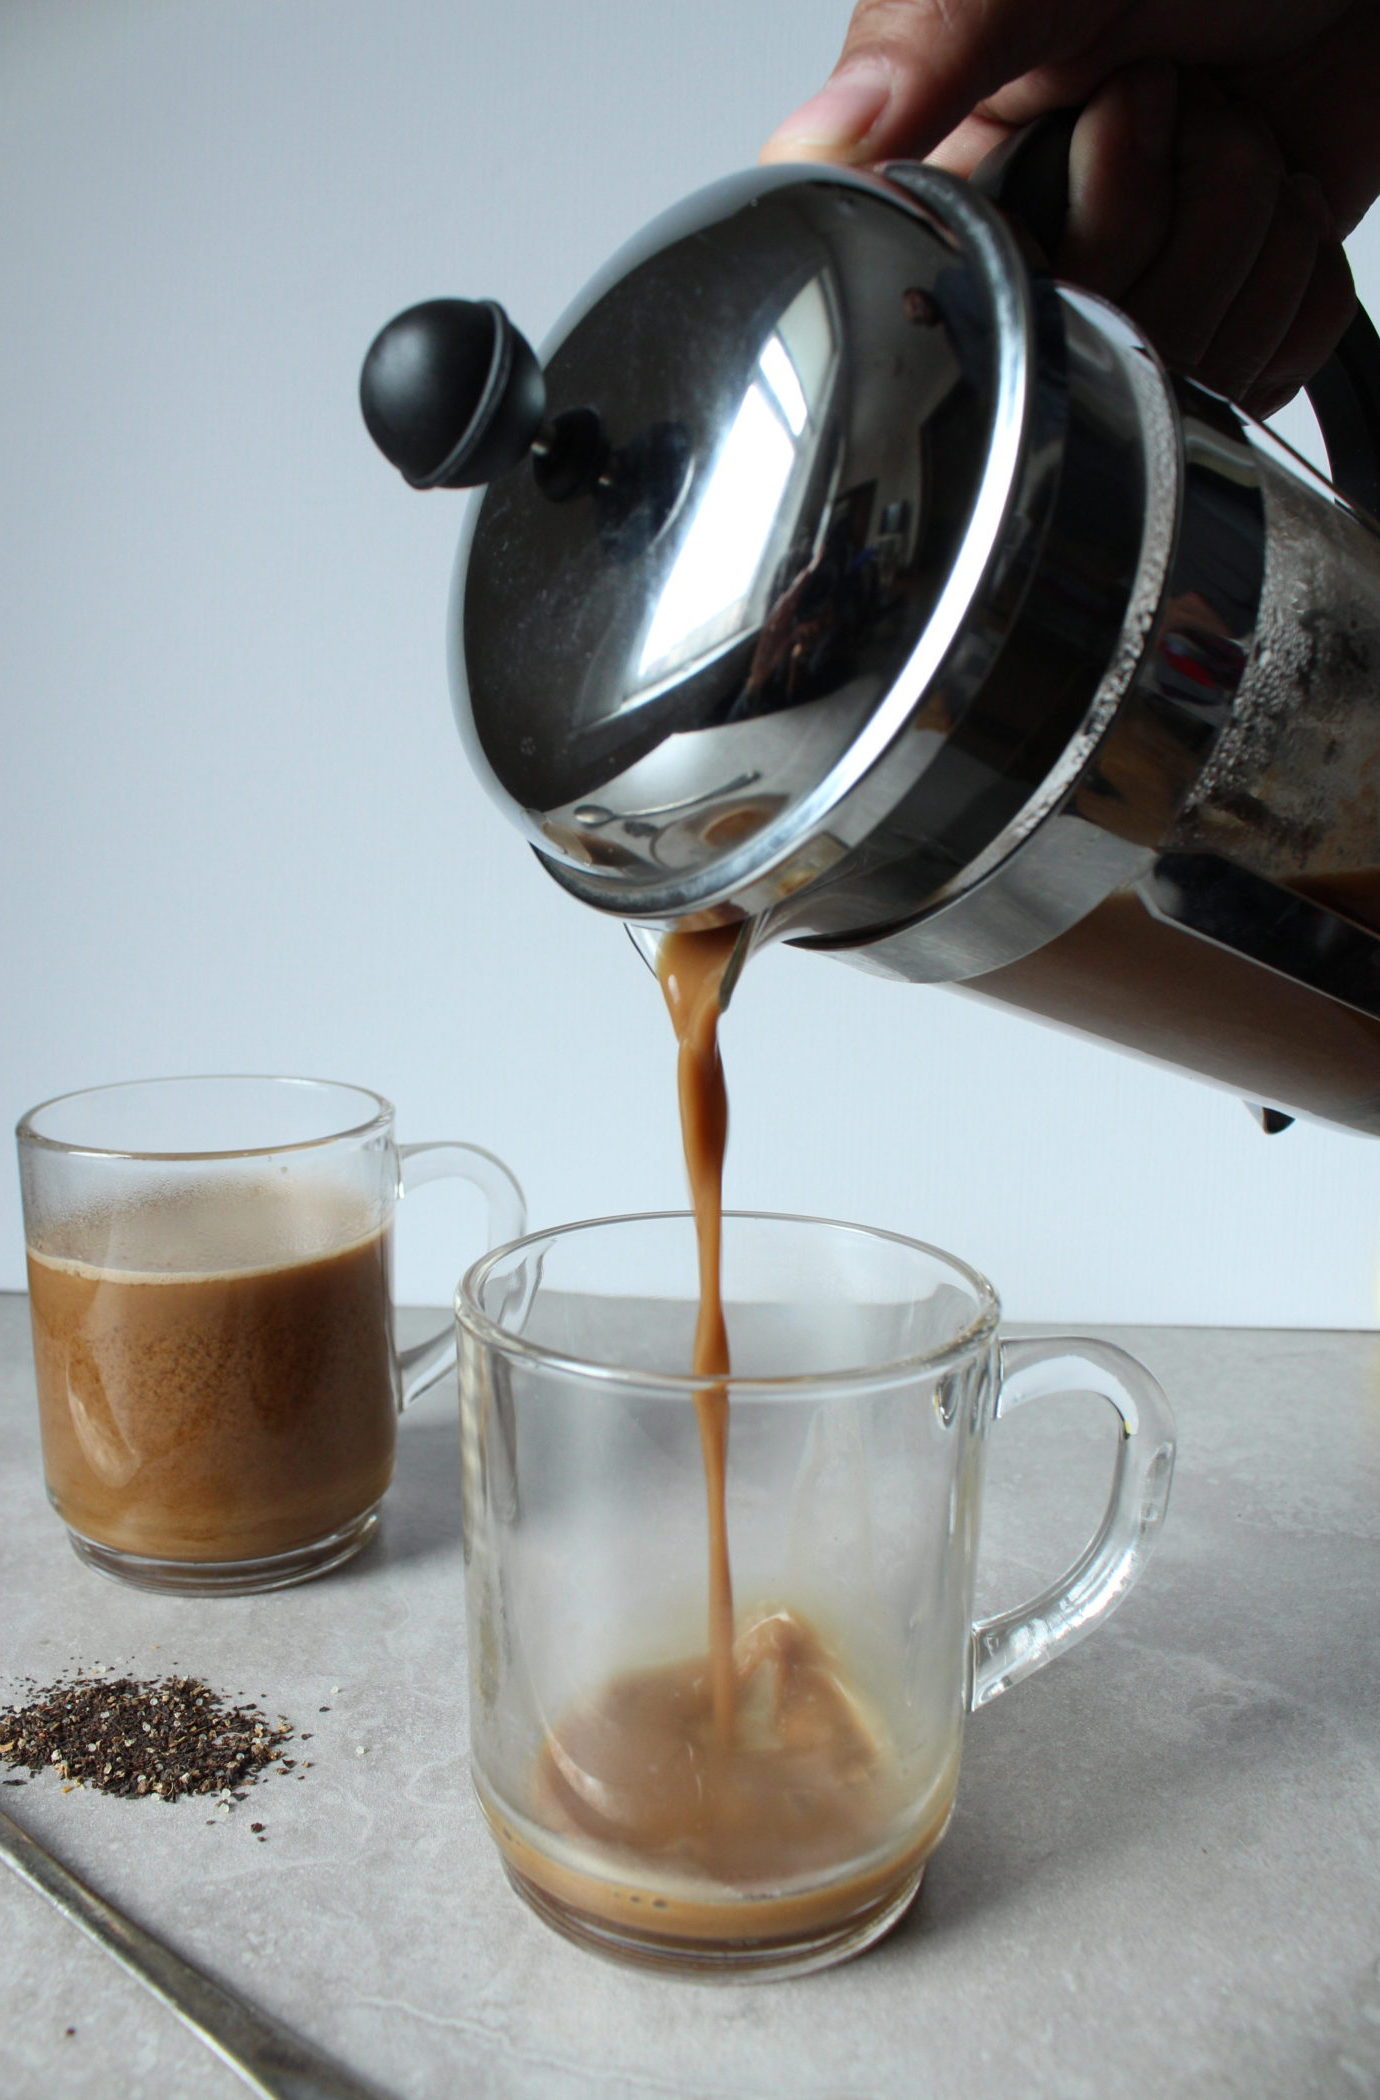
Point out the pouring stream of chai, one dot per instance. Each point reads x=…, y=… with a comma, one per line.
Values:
x=690, y=969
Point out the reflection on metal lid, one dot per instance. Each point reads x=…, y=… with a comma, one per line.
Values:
x=828, y=355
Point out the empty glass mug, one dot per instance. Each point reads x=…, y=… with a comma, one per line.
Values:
x=762, y=1801
x=210, y=1285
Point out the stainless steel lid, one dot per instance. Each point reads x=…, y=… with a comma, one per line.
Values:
x=824, y=441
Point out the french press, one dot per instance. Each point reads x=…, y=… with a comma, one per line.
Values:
x=838, y=570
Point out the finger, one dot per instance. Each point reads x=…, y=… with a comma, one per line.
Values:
x=1321, y=104
x=911, y=70
x=967, y=146
x=1121, y=180
x=1227, y=178
x=1326, y=311
x=1263, y=311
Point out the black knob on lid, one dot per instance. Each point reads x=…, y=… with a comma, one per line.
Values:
x=451, y=393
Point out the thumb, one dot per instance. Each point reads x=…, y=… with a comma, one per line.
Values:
x=909, y=72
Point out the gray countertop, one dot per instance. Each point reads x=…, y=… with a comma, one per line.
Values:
x=1163, y=1876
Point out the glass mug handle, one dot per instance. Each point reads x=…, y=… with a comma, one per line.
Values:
x=447, y=1160
x=1014, y=1644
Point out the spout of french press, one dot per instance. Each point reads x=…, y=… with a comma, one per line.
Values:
x=752, y=933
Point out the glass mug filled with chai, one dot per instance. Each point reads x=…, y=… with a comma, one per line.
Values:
x=210, y=1285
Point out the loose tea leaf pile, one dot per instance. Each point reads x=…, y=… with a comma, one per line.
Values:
x=168, y=1737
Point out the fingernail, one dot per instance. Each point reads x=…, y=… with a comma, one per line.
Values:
x=1264, y=404
x=1154, y=105
x=838, y=117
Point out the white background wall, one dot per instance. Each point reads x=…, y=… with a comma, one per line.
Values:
x=237, y=829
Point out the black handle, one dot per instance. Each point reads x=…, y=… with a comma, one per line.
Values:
x=1028, y=177
x=1346, y=401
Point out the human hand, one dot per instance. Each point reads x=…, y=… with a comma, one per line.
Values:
x=1223, y=150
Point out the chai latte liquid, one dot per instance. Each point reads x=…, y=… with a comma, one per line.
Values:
x=747, y=1795
x=690, y=968
x=215, y=1373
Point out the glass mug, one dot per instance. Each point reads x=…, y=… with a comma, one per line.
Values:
x=791, y=1828
x=210, y=1289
